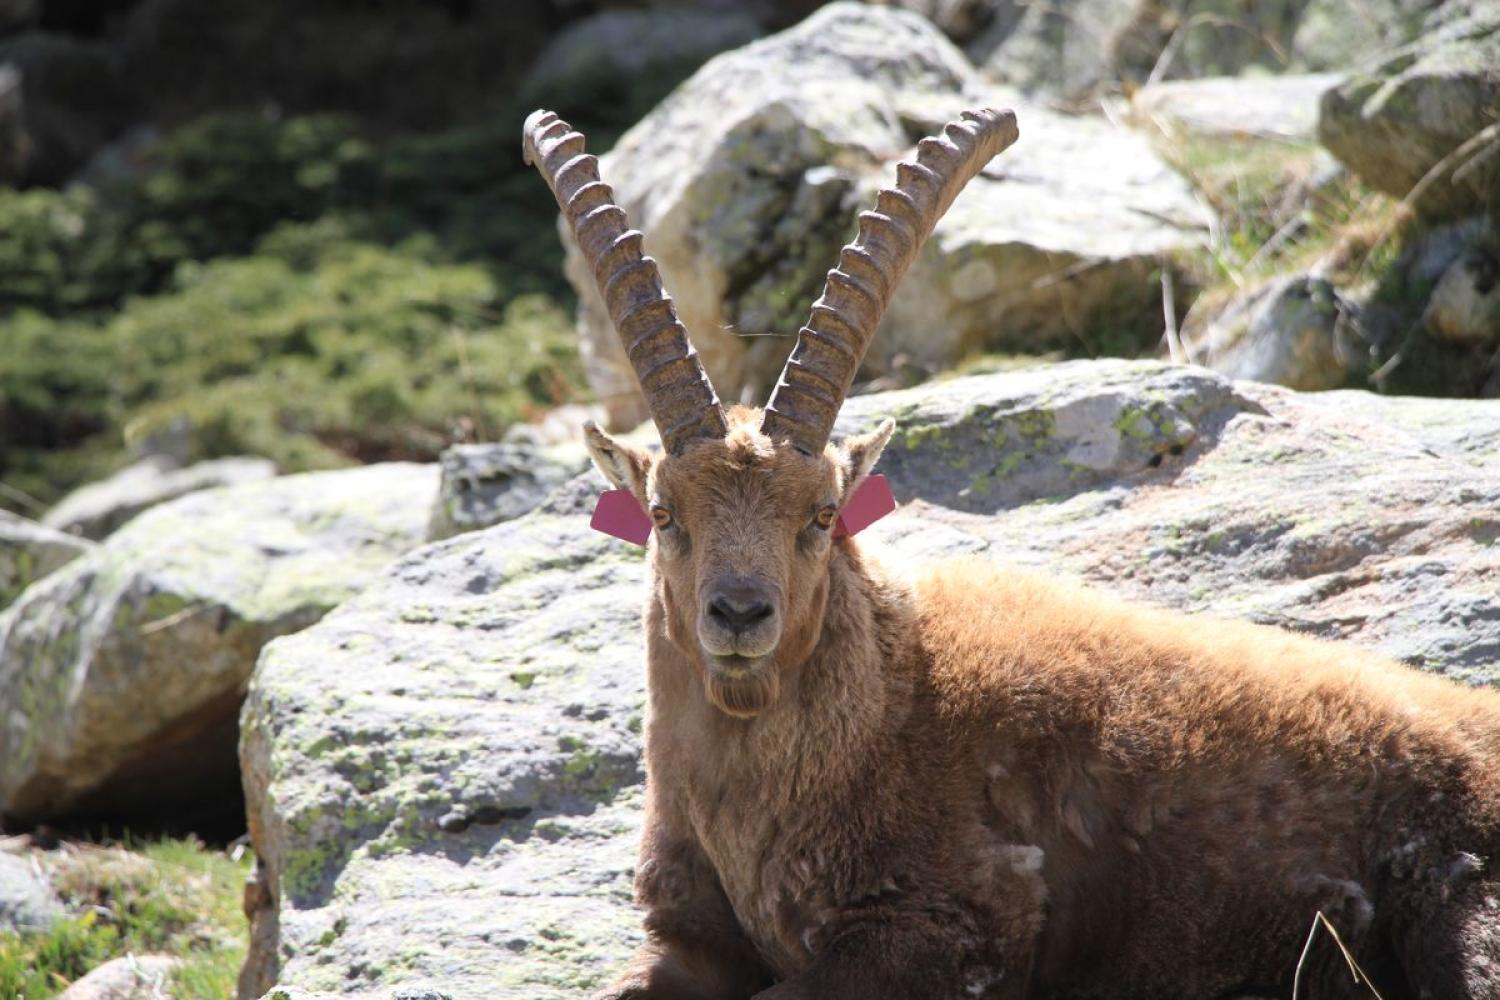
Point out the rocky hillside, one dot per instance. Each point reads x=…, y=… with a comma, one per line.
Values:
x=1221, y=333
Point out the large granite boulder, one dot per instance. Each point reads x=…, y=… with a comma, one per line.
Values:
x=443, y=775
x=97, y=509
x=1421, y=124
x=746, y=181
x=1067, y=49
x=121, y=674
x=29, y=551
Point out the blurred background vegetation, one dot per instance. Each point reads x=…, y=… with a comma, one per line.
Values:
x=308, y=236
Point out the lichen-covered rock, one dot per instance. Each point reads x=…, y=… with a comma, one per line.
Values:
x=747, y=178
x=443, y=775
x=1413, y=114
x=492, y=723
x=484, y=484
x=121, y=673
x=1268, y=107
x=134, y=977
x=29, y=551
x=1296, y=331
x=987, y=443
x=27, y=902
x=95, y=510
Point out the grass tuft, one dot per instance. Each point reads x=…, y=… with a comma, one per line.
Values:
x=173, y=897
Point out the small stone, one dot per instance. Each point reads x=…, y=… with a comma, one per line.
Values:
x=135, y=977
x=27, y=902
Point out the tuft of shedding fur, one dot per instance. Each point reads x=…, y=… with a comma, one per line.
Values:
x=970, y=781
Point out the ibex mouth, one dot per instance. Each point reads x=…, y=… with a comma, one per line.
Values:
x=734, y=664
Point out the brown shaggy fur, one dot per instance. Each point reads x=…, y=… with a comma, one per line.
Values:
x=981, y=783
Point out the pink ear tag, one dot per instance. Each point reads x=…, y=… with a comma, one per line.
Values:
x=619, y=514
x=871, y=502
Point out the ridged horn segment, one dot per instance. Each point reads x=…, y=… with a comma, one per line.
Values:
x=829, y=348
x=678, y=393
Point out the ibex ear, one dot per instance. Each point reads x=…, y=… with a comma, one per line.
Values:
x=862, y=452
x=625, y=466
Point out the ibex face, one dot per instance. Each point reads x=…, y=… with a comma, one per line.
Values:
x=740, y=549
x=744, y=501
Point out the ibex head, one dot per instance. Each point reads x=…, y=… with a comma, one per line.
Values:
x=744, y=502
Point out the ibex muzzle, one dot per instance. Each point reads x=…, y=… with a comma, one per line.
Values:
x=739, y=620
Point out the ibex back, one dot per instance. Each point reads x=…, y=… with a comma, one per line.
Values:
x=971, y=782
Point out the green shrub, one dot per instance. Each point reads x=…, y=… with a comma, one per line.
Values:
x=295, y=287
x=317, y=350
x=216, y=186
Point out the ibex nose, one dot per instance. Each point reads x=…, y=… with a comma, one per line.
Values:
x=739, y=606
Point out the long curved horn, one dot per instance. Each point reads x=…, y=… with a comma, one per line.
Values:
x=678, y=393
x=829, y=348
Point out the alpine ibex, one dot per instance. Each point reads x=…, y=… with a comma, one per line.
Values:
x=970, y=782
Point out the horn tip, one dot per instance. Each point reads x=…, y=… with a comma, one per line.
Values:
x=998, y=121
x=535, y=122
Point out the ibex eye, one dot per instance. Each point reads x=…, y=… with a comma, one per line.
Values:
x=661, y=517
x=826, y=517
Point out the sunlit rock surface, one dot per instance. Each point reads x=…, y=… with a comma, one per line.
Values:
x=1267, y=107
x=121, y=674
x=96, y=510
